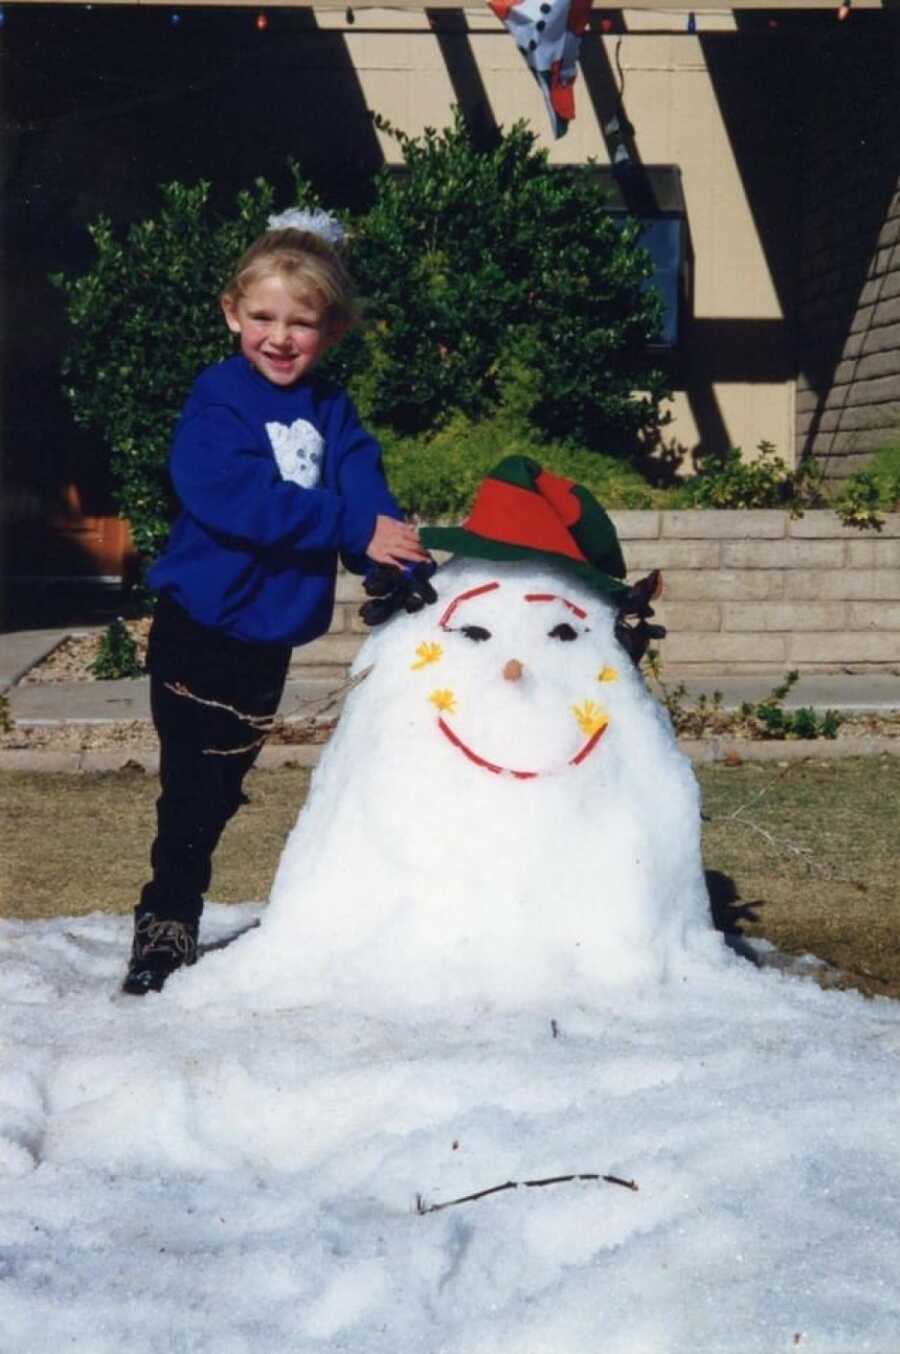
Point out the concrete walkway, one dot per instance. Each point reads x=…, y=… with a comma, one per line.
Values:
x=23, y=649
x=113, y=702
x=100, y=702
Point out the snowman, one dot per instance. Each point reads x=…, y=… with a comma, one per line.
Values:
x=502, y=817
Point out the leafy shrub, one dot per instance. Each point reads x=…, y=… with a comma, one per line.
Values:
x=492, y=278
x=870, y=492
x=731, y=482
x=437, y=477
x=769, y=719
x=858, y=503
x=146, y=320
x=117, y=655
x=765, y=719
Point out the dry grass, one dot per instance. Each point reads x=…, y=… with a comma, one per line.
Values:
x=77, y=844
x=805, y=855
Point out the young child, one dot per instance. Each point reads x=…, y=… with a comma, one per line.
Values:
x=276, y=477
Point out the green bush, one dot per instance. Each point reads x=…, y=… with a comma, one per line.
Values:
x=731, y=482
x=117, y=655
x=769, y=719
x=436, y=477
x=492, y=279
x=145, y=321
x=871, y=492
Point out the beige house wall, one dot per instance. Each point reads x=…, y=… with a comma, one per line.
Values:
x=672, y=103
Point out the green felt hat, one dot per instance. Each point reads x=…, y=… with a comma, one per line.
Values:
x=522, y=512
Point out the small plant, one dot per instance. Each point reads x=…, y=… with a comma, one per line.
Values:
x=769, y=719
x=673, y=698
x=731, y=482
x=871, y=491
x=766, y=719
x=6, y=720
x=117, y=655
x=858, y=504
x=689, y=721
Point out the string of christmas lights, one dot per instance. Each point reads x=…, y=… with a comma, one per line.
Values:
x=607, y=22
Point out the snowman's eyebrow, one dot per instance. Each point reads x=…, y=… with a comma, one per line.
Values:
x=464, y=597
x=552, y=597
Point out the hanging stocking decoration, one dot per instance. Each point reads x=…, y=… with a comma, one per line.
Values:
x=548, y=34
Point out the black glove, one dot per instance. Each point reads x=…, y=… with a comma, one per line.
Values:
x=391, y=588
x=635, y=638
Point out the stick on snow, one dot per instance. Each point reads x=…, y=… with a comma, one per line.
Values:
x=422, y=1207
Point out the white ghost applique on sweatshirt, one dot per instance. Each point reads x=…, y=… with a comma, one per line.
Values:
x=298, y=451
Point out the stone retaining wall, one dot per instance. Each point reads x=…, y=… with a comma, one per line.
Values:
x=745, y=592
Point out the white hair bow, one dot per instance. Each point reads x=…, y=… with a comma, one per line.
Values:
x=317, y=223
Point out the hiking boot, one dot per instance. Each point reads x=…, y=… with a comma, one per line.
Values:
x=160, y=947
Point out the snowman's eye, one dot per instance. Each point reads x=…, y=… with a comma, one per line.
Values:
x=476, y=632
x=563, y=631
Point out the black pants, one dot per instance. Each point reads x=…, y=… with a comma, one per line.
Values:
x=205, y=750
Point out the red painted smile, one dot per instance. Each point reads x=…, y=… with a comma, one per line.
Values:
x=464, y=748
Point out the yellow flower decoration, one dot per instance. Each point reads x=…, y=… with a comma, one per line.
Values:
x=444, y=700
x=591, y=717
x=608, y=675
x=428, y=653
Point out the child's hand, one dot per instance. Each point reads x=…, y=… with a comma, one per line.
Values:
x=394, y=542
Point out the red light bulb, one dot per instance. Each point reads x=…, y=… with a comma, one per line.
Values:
x=262, y=22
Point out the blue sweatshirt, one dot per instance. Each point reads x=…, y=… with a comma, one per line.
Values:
x=273, y=483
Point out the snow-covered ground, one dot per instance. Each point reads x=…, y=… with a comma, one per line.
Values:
x=243, y=1182
x=487, y=958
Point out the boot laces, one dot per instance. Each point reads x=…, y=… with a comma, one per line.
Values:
x=173, y=937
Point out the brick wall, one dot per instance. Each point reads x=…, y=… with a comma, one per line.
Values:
x=848, y=290
x=744, y=592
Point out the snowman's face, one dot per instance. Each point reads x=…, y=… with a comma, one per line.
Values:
x=516, y=672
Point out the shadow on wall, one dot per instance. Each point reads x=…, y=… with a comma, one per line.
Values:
x=840, y=131
x=850, y=177
x=755, y=111
x=469, y=92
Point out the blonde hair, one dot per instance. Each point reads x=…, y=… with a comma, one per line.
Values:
x=309, y=266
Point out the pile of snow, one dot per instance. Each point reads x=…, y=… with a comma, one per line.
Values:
x=466, y=977
x=229, y=1181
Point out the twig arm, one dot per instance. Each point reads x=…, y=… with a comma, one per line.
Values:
x=422, y=1207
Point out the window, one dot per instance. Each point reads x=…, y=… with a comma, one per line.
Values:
x=653, y=193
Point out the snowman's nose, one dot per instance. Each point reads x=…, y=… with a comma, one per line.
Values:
x=512, y=670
